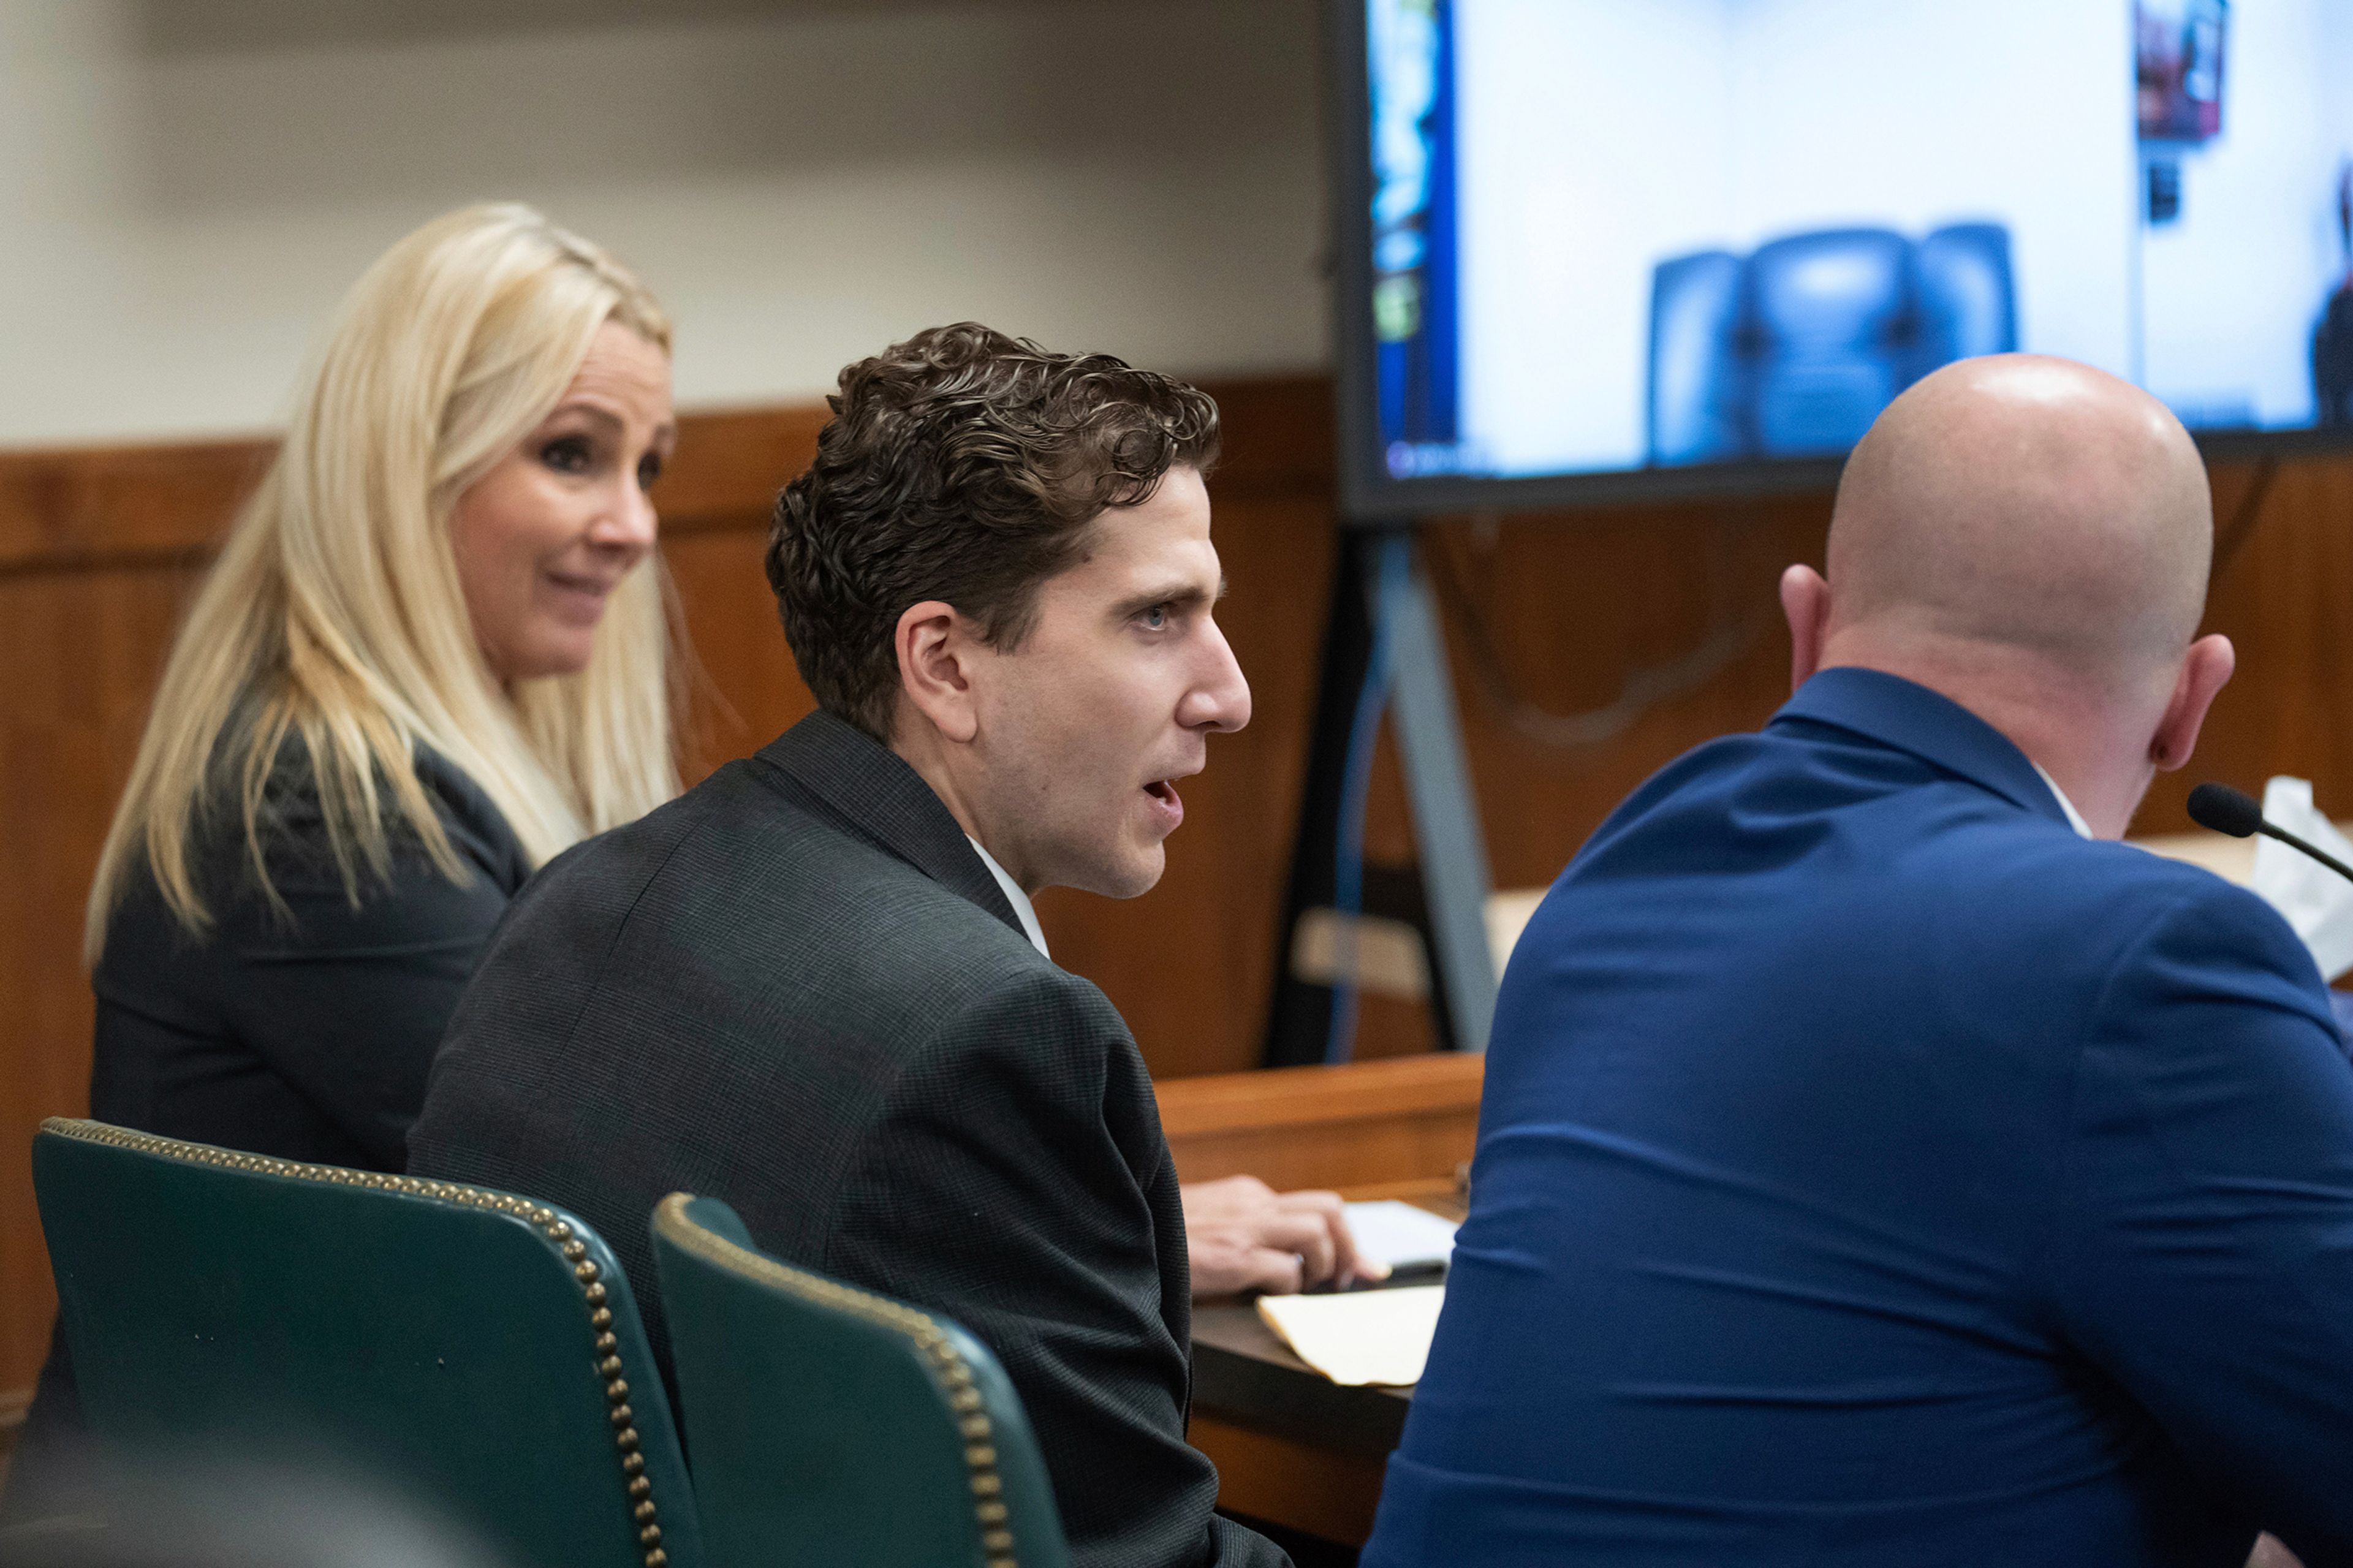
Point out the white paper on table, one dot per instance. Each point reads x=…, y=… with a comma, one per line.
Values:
x=1360, y=1336
x=2315, y=899
x=1399, y=1234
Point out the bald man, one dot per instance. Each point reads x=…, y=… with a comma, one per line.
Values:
x=1877, y=1166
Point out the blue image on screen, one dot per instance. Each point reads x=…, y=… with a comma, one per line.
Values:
x=1415, y=329
x=1604, y=239
x=1792, y=351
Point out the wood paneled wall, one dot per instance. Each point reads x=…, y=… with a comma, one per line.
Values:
x=99, y=549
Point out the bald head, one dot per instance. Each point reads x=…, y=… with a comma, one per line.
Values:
x=2024, y=505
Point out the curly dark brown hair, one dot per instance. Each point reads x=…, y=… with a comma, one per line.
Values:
x=963, y=465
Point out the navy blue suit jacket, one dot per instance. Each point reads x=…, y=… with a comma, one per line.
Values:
x=1873, y=1172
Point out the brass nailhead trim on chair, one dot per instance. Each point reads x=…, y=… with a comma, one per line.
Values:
x=946, y=1364
x=572, y=1250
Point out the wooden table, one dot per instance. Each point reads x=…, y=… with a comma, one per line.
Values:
x=1304, y=1451
x=1290, y=1446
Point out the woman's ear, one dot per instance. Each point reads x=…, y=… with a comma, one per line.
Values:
x=935, y=647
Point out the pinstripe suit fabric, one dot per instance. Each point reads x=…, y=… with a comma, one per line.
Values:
x=798, y=989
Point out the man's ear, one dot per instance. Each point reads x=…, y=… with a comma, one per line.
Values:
x=935, y=647
x=2203, y=675
x=1806, y=605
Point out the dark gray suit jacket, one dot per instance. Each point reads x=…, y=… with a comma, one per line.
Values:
x=797, y=988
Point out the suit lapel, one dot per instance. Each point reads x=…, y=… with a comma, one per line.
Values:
x=872, y=790
x=1906, y=715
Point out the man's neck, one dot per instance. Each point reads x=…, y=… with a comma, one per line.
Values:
x=1023, y=909
x=2052, y=715
x=2103, y=795
x=923, y=751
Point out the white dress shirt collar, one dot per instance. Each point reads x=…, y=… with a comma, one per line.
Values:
x=1020, y=900
x=2075, y=819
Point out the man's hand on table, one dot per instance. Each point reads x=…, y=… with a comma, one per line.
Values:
x=1242, y=1234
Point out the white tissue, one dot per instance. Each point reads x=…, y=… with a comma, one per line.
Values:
x=2315, y=899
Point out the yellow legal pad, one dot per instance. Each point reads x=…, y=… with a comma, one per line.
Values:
x=1360, y=1336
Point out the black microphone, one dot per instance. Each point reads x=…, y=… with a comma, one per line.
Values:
x=2235, y=812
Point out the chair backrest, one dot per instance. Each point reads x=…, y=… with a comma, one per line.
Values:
x=833, y=1426
x=1794, y=351
x=1969, y=304
x=1698, y=401
x=474, y=1350
x=1832, y=314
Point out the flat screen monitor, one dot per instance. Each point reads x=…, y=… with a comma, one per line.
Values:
x=1611, y=249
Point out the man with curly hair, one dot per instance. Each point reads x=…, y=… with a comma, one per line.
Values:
x=814, y=987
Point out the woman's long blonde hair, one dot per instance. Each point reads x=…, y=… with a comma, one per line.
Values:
x=335, y=611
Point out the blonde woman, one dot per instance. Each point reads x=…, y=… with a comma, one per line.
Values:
x=433, y=654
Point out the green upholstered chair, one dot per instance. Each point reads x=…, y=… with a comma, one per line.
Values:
x=831, y=1427
x=475, y=1352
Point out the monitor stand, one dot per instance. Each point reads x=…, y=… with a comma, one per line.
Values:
x=1383, y=635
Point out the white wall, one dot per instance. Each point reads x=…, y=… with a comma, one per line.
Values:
x=2235, y=284
x=187, y=186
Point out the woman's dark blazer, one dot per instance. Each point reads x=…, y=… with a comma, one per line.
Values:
x=303, y=1029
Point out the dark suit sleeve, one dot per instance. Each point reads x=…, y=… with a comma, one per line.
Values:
x=348, y=1003
x=1013, y=1183
x=2203, y=1235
